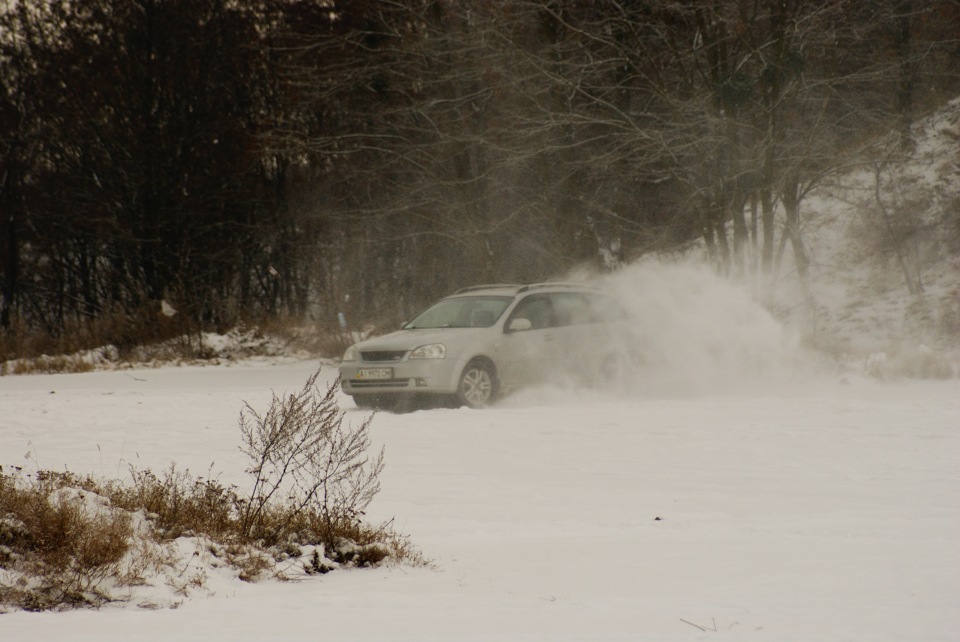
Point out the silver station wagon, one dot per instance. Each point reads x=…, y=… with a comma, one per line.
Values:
x=485, y=341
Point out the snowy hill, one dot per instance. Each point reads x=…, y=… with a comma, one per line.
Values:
x=884, y=241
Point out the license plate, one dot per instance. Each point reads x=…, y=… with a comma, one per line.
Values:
x=372, y=374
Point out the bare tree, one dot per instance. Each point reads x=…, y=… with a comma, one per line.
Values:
x=304, y=458
x=254, y=158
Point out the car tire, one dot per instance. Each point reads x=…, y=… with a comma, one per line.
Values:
x=614, y=373
x=365, y=402
x=478, y=384
x=388, y=402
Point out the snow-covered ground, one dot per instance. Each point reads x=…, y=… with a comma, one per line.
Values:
x=825, y=507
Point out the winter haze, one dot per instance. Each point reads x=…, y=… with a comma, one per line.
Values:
x=783, y=466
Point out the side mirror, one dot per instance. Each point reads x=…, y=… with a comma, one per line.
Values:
x=519, y=325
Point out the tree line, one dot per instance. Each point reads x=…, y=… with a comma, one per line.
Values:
x=249, y=159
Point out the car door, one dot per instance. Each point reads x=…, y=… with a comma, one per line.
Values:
x=574, y=338
x=529, y=354
x=610, y=342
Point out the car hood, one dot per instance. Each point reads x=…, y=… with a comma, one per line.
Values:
x=410, y=339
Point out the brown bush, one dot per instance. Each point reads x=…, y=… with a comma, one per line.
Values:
x=67, y=537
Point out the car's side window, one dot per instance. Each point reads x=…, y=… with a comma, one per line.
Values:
x=538, y=310
x=483, y=313
x=570, y=308
x=603, y=309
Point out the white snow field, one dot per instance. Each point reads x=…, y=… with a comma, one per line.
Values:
x=814, y=507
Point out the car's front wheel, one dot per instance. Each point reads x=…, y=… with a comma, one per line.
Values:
x=379, y=402
x=365, y=402
x=478, y=385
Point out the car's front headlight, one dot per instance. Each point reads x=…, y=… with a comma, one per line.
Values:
x=431, y=351
x=352, y=354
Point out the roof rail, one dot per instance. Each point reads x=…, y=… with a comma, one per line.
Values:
x=534, y=286
x=487, y=286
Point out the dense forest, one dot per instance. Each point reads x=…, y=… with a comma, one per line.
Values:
x=242, y=160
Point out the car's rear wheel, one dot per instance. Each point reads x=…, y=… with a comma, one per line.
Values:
x=478, y=384
x=614, y=372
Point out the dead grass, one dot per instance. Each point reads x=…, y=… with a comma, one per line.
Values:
x=47, y=365
x=151, y=340
x=68, y=540
x=124, y=330
x=178, y=504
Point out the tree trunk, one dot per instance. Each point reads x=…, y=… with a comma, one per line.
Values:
x=740, y=234
x=766, y=257
x=791, y=206
x=11, y=261
x=906, y=73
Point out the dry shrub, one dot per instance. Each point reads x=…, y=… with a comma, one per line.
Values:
x=307, y=462
x=331, y=345
x=179, y=504
x=325, y=340
x=146, y=335
x=113, y=335
x=252, y=562
x=125, y=329
x=918, y=363
x=69, y=539
x=49, y=365
x=948, y=320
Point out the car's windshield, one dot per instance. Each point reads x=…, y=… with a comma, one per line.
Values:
x=462, y=312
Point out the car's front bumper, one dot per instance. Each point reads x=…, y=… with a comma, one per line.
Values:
x=431, y=376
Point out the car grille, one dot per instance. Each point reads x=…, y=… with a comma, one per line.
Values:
x=383, y=355
x=382, y=383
